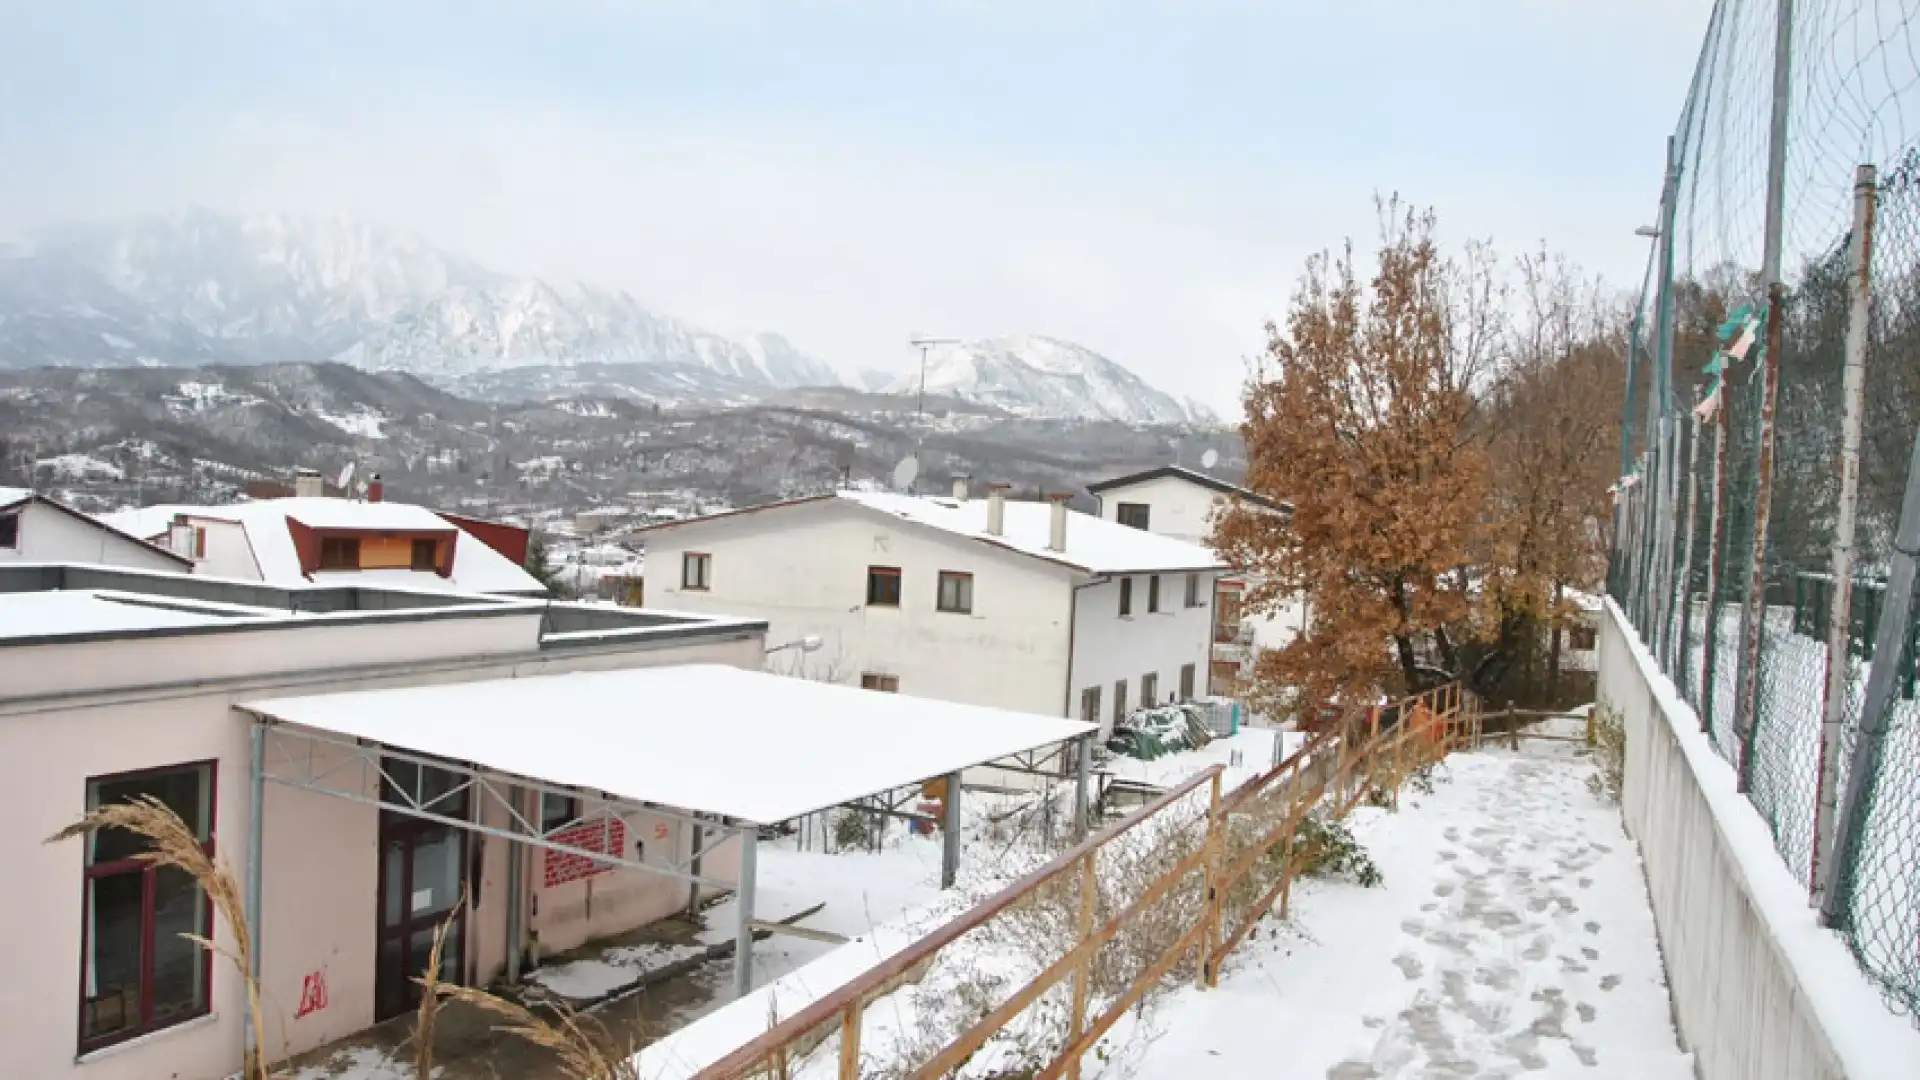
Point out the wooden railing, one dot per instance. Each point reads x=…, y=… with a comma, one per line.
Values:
x=1247, y=857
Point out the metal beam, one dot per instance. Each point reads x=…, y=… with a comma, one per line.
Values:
x=743, y=914
x=255, y=847
x=761, y=926
x=519, y=829
x=950, y=834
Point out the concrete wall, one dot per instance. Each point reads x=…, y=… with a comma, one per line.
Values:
x=804, y=570
x=1759, y=990
x=1108, y=647
x=319, y=870
x=50, y=535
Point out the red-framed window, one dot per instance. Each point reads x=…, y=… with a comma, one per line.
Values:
x=137, y=973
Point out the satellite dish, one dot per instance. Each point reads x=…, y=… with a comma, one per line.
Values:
x=346, y=476
x=1209, y=459
x=905, y=473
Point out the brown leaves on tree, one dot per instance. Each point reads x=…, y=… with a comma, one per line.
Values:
x=1395, y=418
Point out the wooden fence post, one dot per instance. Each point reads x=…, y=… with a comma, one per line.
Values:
x=850, y=1041
x=1216, y=847
x=1083, y=971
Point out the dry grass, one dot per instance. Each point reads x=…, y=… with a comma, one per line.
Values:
x=175, y=846
x=582, y=1047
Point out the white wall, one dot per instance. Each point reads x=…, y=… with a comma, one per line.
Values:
x=229, y=552
x=1759, y=991
x=1180, y=508
x=50, y=535
x=1108, y=646
x=804, y=570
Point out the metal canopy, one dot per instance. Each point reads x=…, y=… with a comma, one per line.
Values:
x=723, y=741
x=710, y=747
x=290, y=760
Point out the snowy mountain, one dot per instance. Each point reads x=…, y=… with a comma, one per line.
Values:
x=1043, y=376
x=202, y=287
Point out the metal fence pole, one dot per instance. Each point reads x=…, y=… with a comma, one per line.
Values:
x=1753, y=614
x=1882, y=683
x=1839, y=622
x=1683, y=662
x=1716, y=561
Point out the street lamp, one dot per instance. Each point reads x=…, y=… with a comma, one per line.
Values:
x=810, y=643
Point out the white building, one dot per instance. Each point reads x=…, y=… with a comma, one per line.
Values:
x=1022, y=605
x=37, y=528
x=317, y=539
x=1181, y=503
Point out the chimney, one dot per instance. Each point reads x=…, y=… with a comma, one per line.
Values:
x=307, y=484
x=1057, y=525
x=996, y=508
x=960, y=488
x=375, y=489
x=180, y=536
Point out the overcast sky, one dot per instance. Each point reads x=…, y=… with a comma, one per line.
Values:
x=1143, y=178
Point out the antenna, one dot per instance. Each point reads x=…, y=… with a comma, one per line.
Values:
x=925, y=345
x=906, y=472
x=1209, y=459
x=346, y=477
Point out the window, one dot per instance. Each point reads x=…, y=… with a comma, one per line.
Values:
x=9, y=530
x=1193, y=590
x=1186, y=682
x=426, y=555
x=1134, y=515
x=1119, y=701
x=1581, y=638
x=889, y=684
x=557, y=810
x=1090, y=705
x=1223, y=678
x=1149, y=689
x=340, y=553
x=1153, y=594
x=1126, y=597
x=883, y=586
x=1226, y=617
x=137, y=974
x=956, y=592
x=199, y=541
x=696, y=571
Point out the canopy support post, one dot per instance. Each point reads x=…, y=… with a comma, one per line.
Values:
x=950, y=833
x=743, y=915
x=256, y=846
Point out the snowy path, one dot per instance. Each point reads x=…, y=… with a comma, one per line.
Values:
x=1512, y=938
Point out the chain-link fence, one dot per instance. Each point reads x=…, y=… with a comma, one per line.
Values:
x=1773, y=406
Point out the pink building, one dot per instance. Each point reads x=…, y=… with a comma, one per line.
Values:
x=117, y=682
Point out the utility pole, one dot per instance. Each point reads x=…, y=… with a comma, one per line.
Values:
x=926, y=345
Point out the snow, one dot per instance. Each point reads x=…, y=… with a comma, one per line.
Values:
x=721, y=740
x=1869, y=1039
x=366, y=423
x=94, y=611
x=1512, y=935
x=1093, y=545
x=477, y=568
x=81, y=467
x=11, y=495
x=592, y=978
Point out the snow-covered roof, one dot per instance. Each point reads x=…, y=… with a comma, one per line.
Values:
x=1093, y=545
x=11, y=495
x=720, y=740
x=476, y=567
x=90, y=611
x=1192, y=476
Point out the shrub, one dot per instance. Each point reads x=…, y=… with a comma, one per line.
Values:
x=1607, y=731
x=1325, y=847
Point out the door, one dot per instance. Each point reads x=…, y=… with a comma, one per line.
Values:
x=422, y=868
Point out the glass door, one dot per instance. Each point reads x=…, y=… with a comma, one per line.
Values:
x=422, y=868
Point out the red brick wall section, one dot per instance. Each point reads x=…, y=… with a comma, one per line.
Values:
x=562, y=867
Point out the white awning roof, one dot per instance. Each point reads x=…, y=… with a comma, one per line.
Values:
x=719, y=740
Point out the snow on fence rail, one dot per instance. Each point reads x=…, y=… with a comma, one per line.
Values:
x=1065, y=951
